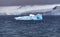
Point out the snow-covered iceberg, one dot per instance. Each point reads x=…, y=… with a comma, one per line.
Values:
x=30, y=17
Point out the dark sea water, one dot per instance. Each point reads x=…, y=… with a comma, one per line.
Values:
x=48, y=27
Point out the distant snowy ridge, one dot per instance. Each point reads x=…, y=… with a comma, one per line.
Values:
x=16, y=10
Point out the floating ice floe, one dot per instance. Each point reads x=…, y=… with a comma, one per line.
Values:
x=30, y=17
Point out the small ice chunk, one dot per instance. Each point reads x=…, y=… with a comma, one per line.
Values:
x=39, y=16
x=30, y=17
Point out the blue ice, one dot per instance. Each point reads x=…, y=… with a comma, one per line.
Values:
x=34, y=17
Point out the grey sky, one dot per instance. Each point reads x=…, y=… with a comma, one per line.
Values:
x=27, y=2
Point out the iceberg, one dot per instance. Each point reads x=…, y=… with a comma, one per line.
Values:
x=30, y=17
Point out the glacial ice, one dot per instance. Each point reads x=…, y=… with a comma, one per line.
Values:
x=31, y=17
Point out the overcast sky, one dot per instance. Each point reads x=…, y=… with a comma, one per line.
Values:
x=27, y=2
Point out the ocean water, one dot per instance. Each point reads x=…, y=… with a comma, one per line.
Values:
x=48, y=27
